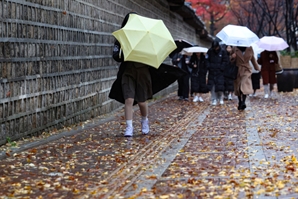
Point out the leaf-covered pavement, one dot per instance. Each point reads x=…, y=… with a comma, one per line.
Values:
x=225, y=154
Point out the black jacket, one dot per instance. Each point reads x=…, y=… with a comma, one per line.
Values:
x=198, y=75
x=216, y=63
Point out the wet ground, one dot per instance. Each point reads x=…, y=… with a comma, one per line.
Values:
x=194, y=150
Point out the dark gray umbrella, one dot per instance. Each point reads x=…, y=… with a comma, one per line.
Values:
x=180, y=43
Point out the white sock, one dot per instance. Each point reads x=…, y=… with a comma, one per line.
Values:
x=144, y=118
x=129, y=122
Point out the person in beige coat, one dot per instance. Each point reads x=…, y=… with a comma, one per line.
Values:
x=243, y=84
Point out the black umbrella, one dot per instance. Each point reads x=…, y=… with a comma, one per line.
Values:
x=180, y=43
x=164, y=76
x=161, y=78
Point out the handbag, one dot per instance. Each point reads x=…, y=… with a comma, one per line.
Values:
x=231, y=71
x=278, y=69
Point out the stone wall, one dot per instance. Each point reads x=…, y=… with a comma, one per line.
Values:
x=56, y=68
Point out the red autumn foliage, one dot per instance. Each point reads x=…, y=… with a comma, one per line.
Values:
x=212, y=12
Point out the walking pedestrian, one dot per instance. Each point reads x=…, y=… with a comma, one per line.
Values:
x=255, y=79
x=183, y=87
x=177, y=62
x=229, y=75
x=243, y=84
x=216, y=61
x=136, y=87
x=198, y=76
x=267, y=60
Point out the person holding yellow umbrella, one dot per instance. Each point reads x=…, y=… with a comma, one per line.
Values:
x=136, y=85
x=139, y=69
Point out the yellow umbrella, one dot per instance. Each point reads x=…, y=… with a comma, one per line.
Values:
x=145, y=40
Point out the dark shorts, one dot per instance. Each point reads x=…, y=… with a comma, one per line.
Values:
x=136, y=82
x=255, y=80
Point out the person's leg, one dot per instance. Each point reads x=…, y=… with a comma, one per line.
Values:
x=213, y=95
x=265, y=77
x=128, y=112
x=243, y=105
x=266, y=90
x=239, y=102
x=230, y=96
x=220, y=97
x=254, y=94
x=271, y=89
x=226, y=95
x=143, y=109
x=144, y=113
x=239, y=99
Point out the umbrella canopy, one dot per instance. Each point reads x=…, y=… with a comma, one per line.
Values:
x=257, y=50
x=272, y=43
x=180, y=43
x=195, y=49
x=145, y=40
x=237, y=36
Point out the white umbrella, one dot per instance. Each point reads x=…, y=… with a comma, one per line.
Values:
x=235, y=35
x=272, y=43
x=195, y=49
x=257, y=50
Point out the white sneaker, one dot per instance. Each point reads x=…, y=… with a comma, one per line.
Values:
x=201, y=99
x=266, y=96
x=221, y=102
x=254, y=95
x=214, y=102
x=128, y=131
x=145, y=126
x=195, y=99
x=230, y=97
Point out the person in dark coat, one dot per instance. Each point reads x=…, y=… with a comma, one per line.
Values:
x=136, y=83
x=198, y=76
x=136, y=86
x=216, y=61
x=176, y=61
x=229, y=78
x=183, y=82
x=267, y=60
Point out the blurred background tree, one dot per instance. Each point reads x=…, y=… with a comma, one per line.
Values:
x=264, y=17
x=212, y=12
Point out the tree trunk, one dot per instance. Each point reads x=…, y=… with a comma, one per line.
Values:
x=212, y=25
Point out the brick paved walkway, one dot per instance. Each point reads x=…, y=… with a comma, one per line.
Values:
x=194, y=150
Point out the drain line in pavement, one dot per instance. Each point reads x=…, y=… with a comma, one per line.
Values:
x=255, y=148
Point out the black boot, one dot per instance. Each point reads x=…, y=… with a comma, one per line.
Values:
x=243, y=105
x=239, y=103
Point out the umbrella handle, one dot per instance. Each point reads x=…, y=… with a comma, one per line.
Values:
x=120, y=51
